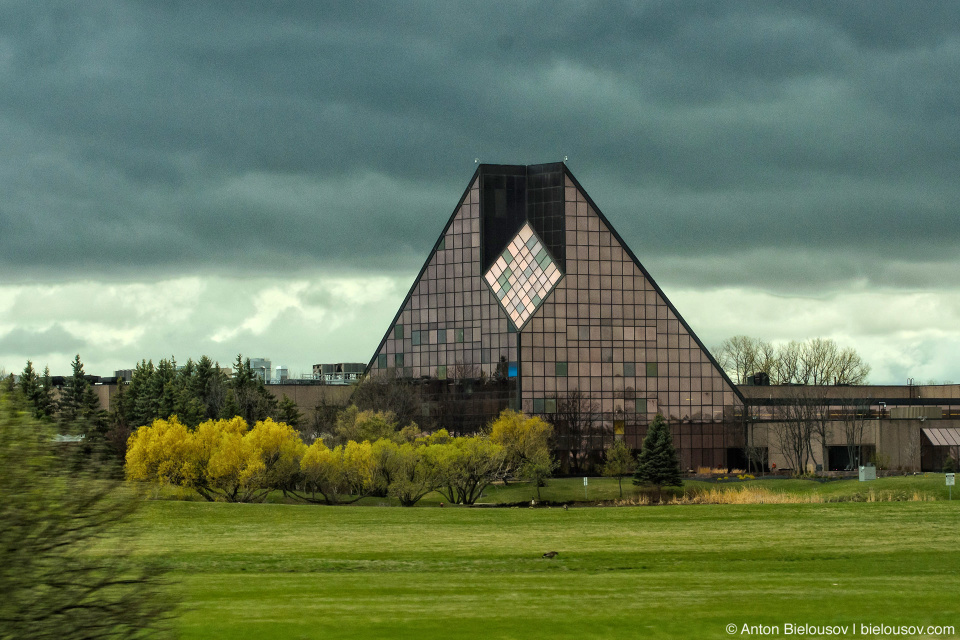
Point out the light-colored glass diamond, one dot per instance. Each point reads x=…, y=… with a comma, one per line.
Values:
x=522, y=276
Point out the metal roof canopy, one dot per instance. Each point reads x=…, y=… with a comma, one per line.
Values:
x=943, y=437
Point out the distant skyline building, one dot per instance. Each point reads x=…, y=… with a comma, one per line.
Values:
x=339, y=372
x=530, y=283
x=263, y=368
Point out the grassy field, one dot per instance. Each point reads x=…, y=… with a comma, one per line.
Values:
x=604, y=490
x=930, y=485
x=288, y=571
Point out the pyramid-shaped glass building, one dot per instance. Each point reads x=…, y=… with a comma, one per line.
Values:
x=529, y=291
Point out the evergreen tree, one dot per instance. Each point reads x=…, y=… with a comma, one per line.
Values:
x=658, y=463
x=46, y=406
x=209, y=386
x=250, y=396
x=162, y=387
x=288, y=412
x=143, y=403
x=79, y=406
x=36, y=391
x=29, y=385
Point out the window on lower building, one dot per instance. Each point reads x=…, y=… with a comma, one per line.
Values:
x=538, y=405
x=398, y=360
x=459, y=334
x=651, y=369
x=561, y=370
x=415, y=338
x=606, y=354
x=382, y=361
x=442, y=372
x=629, y=369
x=641, y=405
x=512, y=370
x=549, y=405
x=398, y=331
x=441, y=336
x=442, y=244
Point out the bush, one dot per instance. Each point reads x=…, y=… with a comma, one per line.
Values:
x=53, y=583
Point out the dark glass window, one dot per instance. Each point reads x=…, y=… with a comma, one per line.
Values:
x=606, y=354
x=545, y=207
x=641, y=405
x=382, y=361
x=442, y=244
x=629, y=369
x=441, y=336
x=538, y=405
x=503, y=204
x=651, y=369
x=415, y=337
x=549, y=405
x=442, y=372
x=561, y=369
x=398, y=332
x=398, y=360
x=459, y=334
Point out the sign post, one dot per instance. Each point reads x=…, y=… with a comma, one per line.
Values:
x=951, y=480
x=584, y=487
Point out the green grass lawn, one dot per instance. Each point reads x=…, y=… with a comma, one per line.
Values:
x=605, y=489
x=571, y=490
x=289, y=571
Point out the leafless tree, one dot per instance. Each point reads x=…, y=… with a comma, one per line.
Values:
x=787, y=366
x=387, y=392
x=455, y=407
x=738, y=356
x=818, y=361
x=854, y=413
x=577, y=427
x=794, y=430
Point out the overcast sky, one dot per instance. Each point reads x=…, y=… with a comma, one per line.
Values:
x=189, y=178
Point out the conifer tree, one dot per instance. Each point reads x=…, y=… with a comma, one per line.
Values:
x=79, y=406
x=658, y=463
x=29, y=385
x=36, y=391
x=45, y=405
x=142, y=404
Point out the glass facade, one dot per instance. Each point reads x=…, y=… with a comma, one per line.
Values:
x=594, y=327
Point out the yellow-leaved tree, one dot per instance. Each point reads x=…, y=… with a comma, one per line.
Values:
x=526, y=443
x=468, y=465
x=161, y=452
x=221, y=459
x=273, y=451
x=341, y=475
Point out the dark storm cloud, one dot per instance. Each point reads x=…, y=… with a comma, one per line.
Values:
x=162, y=137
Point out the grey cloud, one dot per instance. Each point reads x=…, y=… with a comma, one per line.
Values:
x=27, y=343
x=697, y=127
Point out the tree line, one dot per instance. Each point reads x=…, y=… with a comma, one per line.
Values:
x=817, y=361
x=195, y=392
x=370, y=454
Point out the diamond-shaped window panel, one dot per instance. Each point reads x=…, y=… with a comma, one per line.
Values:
x=522, y=276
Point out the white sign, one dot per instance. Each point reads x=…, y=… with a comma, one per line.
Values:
x=951, y=479
x=584, y=482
